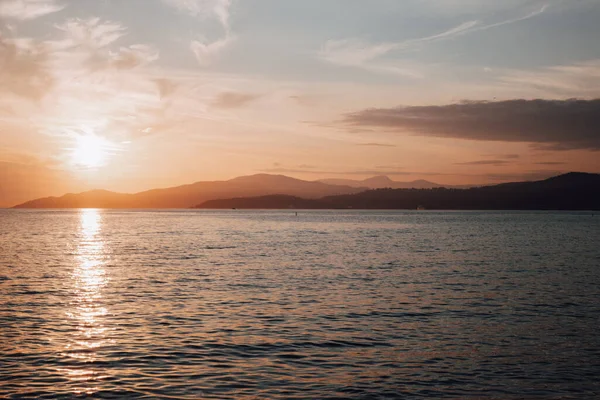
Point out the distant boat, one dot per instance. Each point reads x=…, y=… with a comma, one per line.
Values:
x=420, y=207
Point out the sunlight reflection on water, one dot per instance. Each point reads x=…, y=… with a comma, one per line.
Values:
x=87, y=311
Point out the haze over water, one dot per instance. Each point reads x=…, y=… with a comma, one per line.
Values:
x=329, y=304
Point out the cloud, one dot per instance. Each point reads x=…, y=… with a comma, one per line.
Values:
x=466, y=28
x=82, y=79
x=548, y=124
x=376, y=144
x=89, y=42
x=233, y=100
x=550, y=163
x=133, y=56
x=509, y=156
x=359, y=53
x=166, y=87
x=28, y=9
x=219, y=9
x=353, y=51
x=206, y=53
x=90, y=33
x=485, y=162
x=298, y=170
x=204, y=50
x=25, y=68
x=581, y=79
x=305, y=100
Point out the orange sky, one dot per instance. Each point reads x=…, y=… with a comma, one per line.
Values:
x=92, y=95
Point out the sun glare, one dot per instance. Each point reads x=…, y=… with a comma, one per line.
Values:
x=90, y=151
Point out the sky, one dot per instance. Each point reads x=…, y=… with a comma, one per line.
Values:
x=129, y=95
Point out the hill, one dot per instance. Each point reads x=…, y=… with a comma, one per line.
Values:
x=382, y=182
x=572, y=191
x=187, y=195
x=277, y=201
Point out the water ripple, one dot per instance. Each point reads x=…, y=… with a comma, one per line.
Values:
x=327, y=305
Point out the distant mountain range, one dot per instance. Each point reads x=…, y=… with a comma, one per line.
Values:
x=189, y=195
x=572, y=191
x=382, y=182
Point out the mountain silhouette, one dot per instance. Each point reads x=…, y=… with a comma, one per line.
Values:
x=276, y=201
x=382, y=182
x=572, y=191
x=188, y=195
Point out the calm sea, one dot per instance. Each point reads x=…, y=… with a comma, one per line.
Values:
x=318, y=305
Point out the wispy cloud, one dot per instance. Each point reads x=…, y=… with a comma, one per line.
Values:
x=579, y=79
x=207, y=52
x=485, y=162
x=461, y=29
x=133, y=56
x=359, y=53
x=90, y=42
x=219, y=9
x=234, y=100
x=80, y=80
x=376, y=144
x=510, y=156
x=467, y=28
x=28, y=9
x=91, y=33
x=282, y=170
x=166, y=87
x=25, y=68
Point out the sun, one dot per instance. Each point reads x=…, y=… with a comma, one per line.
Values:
x=90, y=151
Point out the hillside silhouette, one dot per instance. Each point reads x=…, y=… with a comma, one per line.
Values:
x=383, y=182
x=572, y=191
x=188, y=195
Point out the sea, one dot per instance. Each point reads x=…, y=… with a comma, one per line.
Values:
x=294, y=304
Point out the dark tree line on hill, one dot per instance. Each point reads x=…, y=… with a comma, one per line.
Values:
x=572, y=191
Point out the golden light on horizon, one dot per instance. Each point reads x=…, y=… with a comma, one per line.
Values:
x=90, y=151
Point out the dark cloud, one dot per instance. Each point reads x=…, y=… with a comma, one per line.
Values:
x=485, y=162
x=233, y=100
x=547, y=124
x=550, y=163
x=376, y=144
